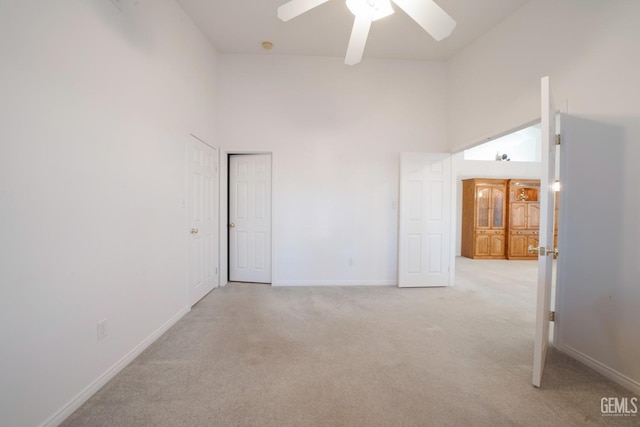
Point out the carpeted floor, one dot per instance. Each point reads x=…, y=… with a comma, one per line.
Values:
x=256, y=355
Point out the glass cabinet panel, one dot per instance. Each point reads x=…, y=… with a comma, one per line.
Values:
x=497, y=202
x=482, y=203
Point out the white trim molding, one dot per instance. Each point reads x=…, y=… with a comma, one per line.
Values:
x=601, y=368
x=68, y=409
x=335, y=283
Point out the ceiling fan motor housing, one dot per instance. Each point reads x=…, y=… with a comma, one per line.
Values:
x=374, y=9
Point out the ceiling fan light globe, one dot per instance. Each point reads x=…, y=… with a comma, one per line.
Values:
x=374, y=9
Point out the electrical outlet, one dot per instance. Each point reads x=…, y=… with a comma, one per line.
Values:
x=102, y=329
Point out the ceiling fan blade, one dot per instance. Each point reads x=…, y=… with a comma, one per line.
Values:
x=429, y=16
x=358, y=40
x=297, y=7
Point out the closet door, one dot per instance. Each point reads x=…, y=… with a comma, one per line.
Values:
x=250, y=218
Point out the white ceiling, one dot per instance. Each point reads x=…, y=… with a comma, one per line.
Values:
x=240, y=26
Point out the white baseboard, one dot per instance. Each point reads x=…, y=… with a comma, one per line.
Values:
x=64, y=412
x=335, y=283
x=601, y=368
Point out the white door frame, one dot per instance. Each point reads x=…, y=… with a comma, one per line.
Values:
x=224, y=212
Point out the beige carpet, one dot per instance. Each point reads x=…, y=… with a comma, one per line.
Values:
x=255, y=355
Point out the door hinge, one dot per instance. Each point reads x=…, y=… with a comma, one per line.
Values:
x=558, y=139
x=552, y=316
x=542, y=251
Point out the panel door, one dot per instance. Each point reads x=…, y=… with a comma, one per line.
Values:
x=547, y=209
x=424, y=253
x=203, y=219
x=250, y=218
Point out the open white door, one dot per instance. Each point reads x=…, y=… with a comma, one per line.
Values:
x=250, y=218
x=546, y=248
x=424, y=253
x=203, y=219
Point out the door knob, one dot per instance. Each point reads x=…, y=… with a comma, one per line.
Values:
x=194, y=231
x=232, y=225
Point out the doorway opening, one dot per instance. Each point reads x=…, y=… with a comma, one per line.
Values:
x=506, y=170
x=509, y=213
x=486, y=178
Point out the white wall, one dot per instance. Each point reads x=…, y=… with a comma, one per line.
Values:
x=95, y=113
x=335, y=133
x=589, y=48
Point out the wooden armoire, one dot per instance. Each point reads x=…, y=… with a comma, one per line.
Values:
x=484, y=218
x=501, y=218
x=524, y=218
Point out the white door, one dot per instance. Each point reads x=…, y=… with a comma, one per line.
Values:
x=203, y=219
x=424, y=254
x=250, y=218
x=546, y=249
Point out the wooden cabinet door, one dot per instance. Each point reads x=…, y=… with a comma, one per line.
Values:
x=518, y=245
x=497, y=245
x=490, y=206
x=518, y=216
x=483, y=245
x=498, y=207
x=524, y=216
x=490, y=245
x=483, y=207
x=533, y=216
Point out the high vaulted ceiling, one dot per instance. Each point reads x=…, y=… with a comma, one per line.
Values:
x=240, y=26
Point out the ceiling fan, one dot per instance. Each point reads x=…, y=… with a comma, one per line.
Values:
x=426, y=13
